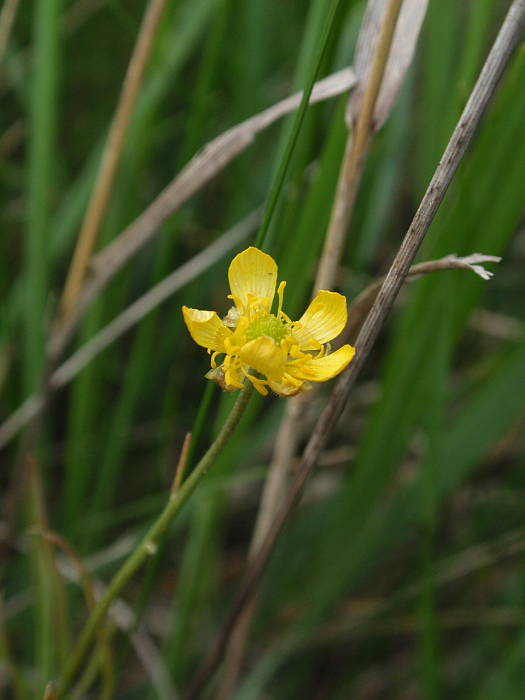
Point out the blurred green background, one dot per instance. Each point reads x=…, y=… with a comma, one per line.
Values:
x=401, y=575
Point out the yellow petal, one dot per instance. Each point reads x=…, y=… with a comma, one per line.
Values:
x=206, y=328
x=322, y=321
x=265, y=356
x=287, y=389
x=324, y=368
x=252, y=272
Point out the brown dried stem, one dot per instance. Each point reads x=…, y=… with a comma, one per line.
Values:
x=356, y=148
x=50, y=692
x=99, y=199
x=485, y=87
x=181, y=464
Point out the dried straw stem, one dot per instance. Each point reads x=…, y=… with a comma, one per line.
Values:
x=99, y=199
x=356, y=148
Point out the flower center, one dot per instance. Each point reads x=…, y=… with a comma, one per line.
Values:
x=269, y=325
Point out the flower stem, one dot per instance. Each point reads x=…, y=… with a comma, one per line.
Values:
x=148, y=545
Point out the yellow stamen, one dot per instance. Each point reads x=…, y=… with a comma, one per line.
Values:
x=280, y=294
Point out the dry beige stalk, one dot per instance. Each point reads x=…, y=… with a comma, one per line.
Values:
x=379, y=72
x=400, y=57
x=100, y=197
x=393, y=65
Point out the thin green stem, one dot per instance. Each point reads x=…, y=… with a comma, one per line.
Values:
x=284, y=163
x=148, y=546
x=40, y=167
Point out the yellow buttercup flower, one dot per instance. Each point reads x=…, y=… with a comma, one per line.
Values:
x=269, y=349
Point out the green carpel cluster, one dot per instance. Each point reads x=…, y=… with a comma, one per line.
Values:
x=269, y=325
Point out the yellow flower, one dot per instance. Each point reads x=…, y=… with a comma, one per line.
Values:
x=269, y=349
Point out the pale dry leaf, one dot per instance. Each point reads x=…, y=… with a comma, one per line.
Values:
x=212, y=158
x=472, y=262
x=404, y=42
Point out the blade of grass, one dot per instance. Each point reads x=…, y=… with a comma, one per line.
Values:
x=51, y=619
x=280, y=175
x=285, y=218
x=41, y=165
